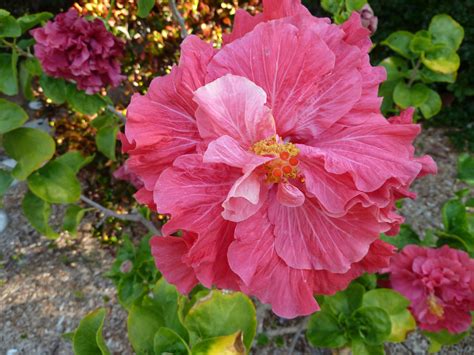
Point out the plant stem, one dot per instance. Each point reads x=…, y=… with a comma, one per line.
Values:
x=117, y=113
x=133, y=217
x=414, y=73
x=109, y=14
x=18, y=49
x=178, y=17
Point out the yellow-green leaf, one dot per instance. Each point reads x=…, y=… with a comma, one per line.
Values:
x=226, y=345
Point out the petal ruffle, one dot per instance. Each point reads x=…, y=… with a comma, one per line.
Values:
x=306, y=237
x=372, y=153
x=192, y=192
x=233, y=106
x=279, y=58
x=161, y=125
x=169, y=253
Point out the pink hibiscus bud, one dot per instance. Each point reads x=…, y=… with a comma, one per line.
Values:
x=72, y=48
x=280, y=169
x=126, y=267
x=368, y=18
x=440, y=285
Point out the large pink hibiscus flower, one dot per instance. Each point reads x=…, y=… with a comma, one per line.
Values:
x=440, y=285
x=273, y=157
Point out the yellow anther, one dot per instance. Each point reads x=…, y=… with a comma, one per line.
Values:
x=435, y=307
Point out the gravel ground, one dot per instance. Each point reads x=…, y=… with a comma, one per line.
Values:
x=47, y=287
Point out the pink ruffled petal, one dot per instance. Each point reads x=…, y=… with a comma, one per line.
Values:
x=306, y=237
x=161, y=125
x=272, y=10
x=277, y=57
x=227, y=150
x=208, y=256
x=289, y=195
x=371, y=154
x=169, y=253
x=357, y=34
x=334, y=192
x=245, y=198
x=192, y=192
x=265, y=275
x=233, y=106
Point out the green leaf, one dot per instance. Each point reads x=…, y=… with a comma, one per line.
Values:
x=406, y=96
x=54, y=89
x=371, y=324
x=74, y=160
x=55, y=183
x=400, y=42
x=143, y=323
x=72, y=218
x=421, y=42
x=432, y=105
x=6, y=180
x=441, y=59
x=106, y=140
x=220, y=314
x=466, y=168
x=345, y=302
x=386, y=91
x=167, y=341
x=446, y=31
x=33, y=66
x=228, y=345
x=9, y=27
x=29, y=21
x=443, y=337
x=355, y=5
x=406, y=236
x=358, y=347
x=4, y=13
x=166, y=298
x=130, y=291
x=12, y=116
x=332, y=6
x=429, y=76
x=368, y=281
x=396, y=307
x=26, y=81
x=88, y=338
x=144, y=7
x=324, y=330
x=103, y=120
x=30, y=147
x=454, y=216
x=396, y=68
x=37, y=212
x=8, y=73
x=84, y=103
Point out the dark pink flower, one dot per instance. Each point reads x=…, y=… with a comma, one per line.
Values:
x=273, y=155
x=72, y=48
x=439, y=283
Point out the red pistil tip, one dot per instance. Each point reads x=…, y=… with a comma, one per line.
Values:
x=294, y=161
x=276, y=173
x=284, y=155
x=287, y=169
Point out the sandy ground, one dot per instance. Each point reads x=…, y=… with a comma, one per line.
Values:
x=47, y=287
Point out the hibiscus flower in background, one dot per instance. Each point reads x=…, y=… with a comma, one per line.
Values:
x=72, y=48
x=440, y=285
x=272, y=156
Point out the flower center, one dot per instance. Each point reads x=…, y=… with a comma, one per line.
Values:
x=285, y=164
x=435, y=307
